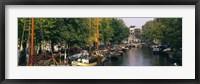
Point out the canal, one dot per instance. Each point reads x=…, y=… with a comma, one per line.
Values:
x=140, y=57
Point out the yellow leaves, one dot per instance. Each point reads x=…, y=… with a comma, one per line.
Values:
x=94, y=29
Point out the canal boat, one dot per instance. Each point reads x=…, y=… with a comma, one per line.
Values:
x=87, y=64
x=159, y=49
x=115, y=54
x=156, y=50
x=112, y=54
x=88, y=61
x=101, y=56
x=103, y=49
x=124, y=49
x=119, y=52
x=114, y=57
x=167, y=50
x=96, y=59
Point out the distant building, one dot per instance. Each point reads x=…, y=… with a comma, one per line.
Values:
x=135, y=34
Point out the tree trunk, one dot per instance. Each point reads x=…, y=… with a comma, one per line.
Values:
x=90, y=50
x=65, y=57
x=52, y=46
x=21, y=42
x=68, y=49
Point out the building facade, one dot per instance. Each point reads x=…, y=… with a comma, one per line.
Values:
x=135, y=34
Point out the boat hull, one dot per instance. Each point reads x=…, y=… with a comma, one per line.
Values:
x=87, y=64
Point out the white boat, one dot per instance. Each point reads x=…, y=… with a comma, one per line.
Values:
x=90, y=61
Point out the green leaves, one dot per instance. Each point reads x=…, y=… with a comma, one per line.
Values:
x=76, y=31
x=165, y=30
x=106, y=31
x=121, y=31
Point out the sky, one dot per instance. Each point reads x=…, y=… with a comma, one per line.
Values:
x=138, y=22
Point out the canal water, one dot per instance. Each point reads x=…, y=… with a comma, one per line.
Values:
x=140, y=57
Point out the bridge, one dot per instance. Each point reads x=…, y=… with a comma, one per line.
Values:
x=137, y=44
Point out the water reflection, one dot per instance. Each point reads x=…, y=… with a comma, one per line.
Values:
x=140, y=57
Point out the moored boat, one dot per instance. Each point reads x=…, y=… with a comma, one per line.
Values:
x=89, y=61
x=87, y=64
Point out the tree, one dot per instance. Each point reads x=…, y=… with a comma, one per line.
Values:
x=165, y=31
x=106, y=31
x=50, y=28
x=75, y=32
x=23, y=31
x=121, y=31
